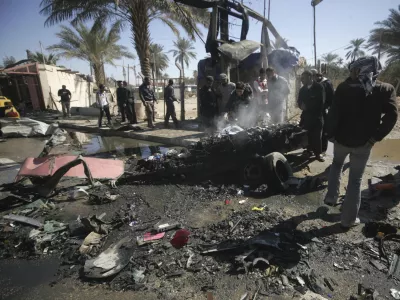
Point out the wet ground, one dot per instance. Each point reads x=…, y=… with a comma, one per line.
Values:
x=39, y=278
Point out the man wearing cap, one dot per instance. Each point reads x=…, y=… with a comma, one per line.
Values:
x=208, y=103
x=363, y=112
x=223, y=92
x=148, y=98
x=278, y=91
x=329, y=92
x=169, y=98
x=238, y=104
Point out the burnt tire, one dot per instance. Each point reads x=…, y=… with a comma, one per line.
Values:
x=254, y=171
x=277, y=171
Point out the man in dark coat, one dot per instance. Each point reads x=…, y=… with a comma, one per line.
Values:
x=239, y=99
x=363, y=112
x=65, y=100
x=130, y=104
x=169, y=98
x=208, y=103
x=311, y=102
x=329, y=92
x=122, y=100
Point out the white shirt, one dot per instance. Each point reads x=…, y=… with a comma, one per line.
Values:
x=101, y=98
x=261, y=90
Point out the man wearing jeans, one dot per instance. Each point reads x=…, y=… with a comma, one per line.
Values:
x=363, y=112
x=148, y=98
x=102, y=102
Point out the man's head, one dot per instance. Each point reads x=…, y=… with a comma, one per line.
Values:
x=307, y=78
x=64, y=87
x=170, y=82
x=262, y=74
x=270, y=73
x=146, y=80
x=239, y=88
x=119, y=83
x=102, y=87
x=209, y=81
x=314, y=73
x=223, y=78
x=125, y=84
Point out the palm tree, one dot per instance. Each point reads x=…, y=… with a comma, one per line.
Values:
x=183, y=53
x=95, y=45
x=385, y=38
x=138, y=14
x=8, y=60
x=340, y=61
x=330, y=58
x=158, y=59
x=355, y=49
x=165, y=76
x=50, y=59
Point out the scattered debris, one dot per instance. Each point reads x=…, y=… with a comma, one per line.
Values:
x=92, y=240
x=395, y=293
x=180, y=239
x=23, y=220
x=148, y=238
x=394, y=269
x=93, y=223
x=109, y=262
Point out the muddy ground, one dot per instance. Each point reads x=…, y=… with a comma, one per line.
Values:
x=201, y=207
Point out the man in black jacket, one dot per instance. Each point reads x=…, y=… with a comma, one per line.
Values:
x=130, y=104
x=208, y=103
x=122, y=100
x=363, y=112
x=329, y=92
x=311, y=102
x=148, y=98
x=169, y=98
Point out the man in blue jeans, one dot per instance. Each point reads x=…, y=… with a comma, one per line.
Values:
x=363, y=112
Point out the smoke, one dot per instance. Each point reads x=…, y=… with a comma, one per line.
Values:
x=246, y=116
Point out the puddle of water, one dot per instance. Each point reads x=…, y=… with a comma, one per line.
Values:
x=107, y=146
x=18, y=149
x=386, y=151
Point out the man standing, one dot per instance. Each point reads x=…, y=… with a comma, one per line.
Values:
x=208, y=103
x=122, y=100
x=130, y=105
x=329, y=92
x=261, y=92
x=311, y=102
x=102, y=102
x=278, y=91
x=148, y=98
x=363, y=112
x=65, y=100
x=169, y=98
x=224, y=91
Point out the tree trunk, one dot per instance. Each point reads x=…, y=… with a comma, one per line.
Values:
x=98, y=73
x=183, y=92
x=139, y=20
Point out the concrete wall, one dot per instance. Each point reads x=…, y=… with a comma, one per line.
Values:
x=51, y=79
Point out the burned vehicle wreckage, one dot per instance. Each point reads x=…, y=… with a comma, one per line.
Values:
x=254, y=154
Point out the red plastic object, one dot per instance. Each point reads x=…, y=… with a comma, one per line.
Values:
x=152, y=237
x=227, y=202
x=47, y=166
x=180, y=238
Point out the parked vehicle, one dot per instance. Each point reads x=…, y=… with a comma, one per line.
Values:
x=7, y=109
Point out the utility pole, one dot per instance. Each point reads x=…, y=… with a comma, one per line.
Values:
x=128, y=74
x=269, y=9
x=265, y=7
x=314, y=3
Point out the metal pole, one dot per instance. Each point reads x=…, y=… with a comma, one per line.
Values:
x=128, y=74
x=269, y=9
x=41, y=48
x=315, y=42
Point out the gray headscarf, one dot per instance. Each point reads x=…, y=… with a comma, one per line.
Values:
x=370, y=67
